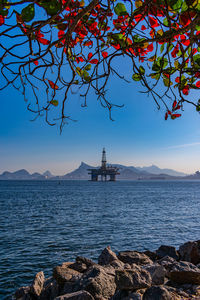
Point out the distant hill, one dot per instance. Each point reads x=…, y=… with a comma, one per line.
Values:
x=81, y=173
x=21, y=175
x=156, y=170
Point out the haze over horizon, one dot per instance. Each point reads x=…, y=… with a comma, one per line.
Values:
x=139, y=136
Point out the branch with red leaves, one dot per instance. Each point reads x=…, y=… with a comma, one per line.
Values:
x=52, y=50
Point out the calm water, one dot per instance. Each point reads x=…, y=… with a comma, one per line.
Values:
x=43, y=223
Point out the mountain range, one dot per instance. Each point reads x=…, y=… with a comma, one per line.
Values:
x=81, y=173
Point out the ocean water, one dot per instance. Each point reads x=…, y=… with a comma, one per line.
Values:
x=44, y=223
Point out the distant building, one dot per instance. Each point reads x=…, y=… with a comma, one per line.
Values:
x=104, y=171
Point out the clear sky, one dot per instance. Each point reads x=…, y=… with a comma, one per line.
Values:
x=139, y=136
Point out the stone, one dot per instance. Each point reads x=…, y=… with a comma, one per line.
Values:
x=167, y=251
x=152, y=255
x=63, y=273
x=99, y=282
x=190, y=251
x=80, y=295
x=134, y=257
x=22, y=293
x=126, y=295
x=82, y=264
x=157, y=273
x=167, y=262
x=37, y=285
x=157, y=293
x=132, y=279
x=50, y=289
x=184, y=272
x=107, y=256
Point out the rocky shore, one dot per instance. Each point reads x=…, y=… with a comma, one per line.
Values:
x=167, y=273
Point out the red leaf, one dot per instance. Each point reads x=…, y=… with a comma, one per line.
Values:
x=94, y=61
x=150, y=47
x=177, y=79
x=166, y=116
x=186, y=90
x=104, y=54
x=1, y=20
x=174, y=116
x=90, y=55
x=143, y=27
x=174, y=104
x=60, y=34
x=52, y=85
x=43, y=41
x=153, y=22
x=88, y=43
x=36, y=62
x=198, y=84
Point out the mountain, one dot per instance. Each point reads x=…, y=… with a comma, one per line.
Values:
x=21, y=175
x=156, y=170
x=47, y=174
x=80, y=173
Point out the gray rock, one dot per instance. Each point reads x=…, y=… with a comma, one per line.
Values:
x=167, y=262
x=167, y=251
x=184, y=272
x=107, y=256
x=152, y=255
x=157, y=273
x=190, y=251
x=80, y=295
x=37, y=285
x=63, y=274
x=134, y=257
x=132, y=279
x=99, y=282
x=157, y=293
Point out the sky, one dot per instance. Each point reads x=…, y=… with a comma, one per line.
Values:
x=138, y=136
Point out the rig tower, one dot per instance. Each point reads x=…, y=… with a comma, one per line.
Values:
x=104, y=171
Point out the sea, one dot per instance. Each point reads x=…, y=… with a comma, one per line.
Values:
x=46, y=223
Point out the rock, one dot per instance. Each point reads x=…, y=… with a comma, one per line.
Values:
x=82, y=264
x=23, y=293
x=184, y=272
x=152, y=255
x=157, y=273
x=190, y=251
x=118, y=264
x=99, y=282
x=107, y=256
x=157, y=293
x=167, y=251
x=132, y=279
x=50, y=290
x=80, y=295
x=63, y=273
x=37, y=285
x=134, y=257
x=126, y=295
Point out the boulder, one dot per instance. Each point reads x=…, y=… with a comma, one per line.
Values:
x=107, y=256
x=157, y=273
x=167, y=262
x=152, y=255
x=37, y=285
x=50, y=289
x=157, y=293
x=132, y=279
x=167, y=251
x=190, y=251
x=134, y=257
x=184, y=272
x=99, y=282
x=63, y=274
x=23, y=293
x=82, y=264
x=126, y=295
x=80, y=295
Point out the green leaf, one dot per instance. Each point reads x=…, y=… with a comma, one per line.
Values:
x=54, y=102
x=142, y=70
x=175, y=4
x=3, y=12
x=198, y=108
x=120, y=9
x=28, y=13
x=155, y=76
x=162, y=48
x=136, y=77
x=88, y=67
x=52, y=7
x=167, y=82
x=196, y=59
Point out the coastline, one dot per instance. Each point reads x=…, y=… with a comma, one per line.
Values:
x=166, y=273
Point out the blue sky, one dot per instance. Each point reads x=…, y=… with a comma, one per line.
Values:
x=139, y=136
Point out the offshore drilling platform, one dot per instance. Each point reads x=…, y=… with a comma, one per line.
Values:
x=104, y=171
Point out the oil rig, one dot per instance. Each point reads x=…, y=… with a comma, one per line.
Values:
x=104, y=171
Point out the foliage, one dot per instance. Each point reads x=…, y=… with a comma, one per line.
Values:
x=59, y=47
